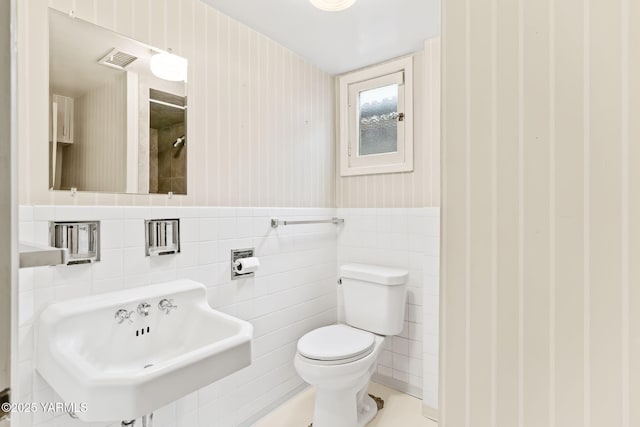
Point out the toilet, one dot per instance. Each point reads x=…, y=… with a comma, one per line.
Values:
x=340, y=359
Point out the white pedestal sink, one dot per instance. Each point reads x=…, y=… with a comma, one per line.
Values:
x=123, y=370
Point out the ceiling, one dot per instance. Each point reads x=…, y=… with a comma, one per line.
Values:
x=369, y=32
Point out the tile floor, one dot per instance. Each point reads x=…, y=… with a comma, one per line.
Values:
x=400, y=410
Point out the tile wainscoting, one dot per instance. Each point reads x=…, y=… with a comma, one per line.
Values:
x=406, y=238
x=293, y=292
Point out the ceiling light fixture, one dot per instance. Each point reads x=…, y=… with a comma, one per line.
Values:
x=168, y=66
x=333, y=5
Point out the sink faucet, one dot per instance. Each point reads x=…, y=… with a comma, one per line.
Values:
x=143, y=309
x=122, y=315
x=166, y=305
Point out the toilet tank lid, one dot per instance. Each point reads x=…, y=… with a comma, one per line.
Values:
x=375, y=273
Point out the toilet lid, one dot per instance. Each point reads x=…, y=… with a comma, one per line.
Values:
x=335, y=342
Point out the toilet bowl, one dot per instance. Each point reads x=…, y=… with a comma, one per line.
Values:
x=340, y=359
x=341, y=375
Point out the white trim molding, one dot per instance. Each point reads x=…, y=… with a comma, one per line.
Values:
x=398, y=71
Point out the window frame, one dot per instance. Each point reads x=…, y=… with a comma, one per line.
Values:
x=350, y=85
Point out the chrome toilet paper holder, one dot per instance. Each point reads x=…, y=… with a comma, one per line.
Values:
x=237, y=254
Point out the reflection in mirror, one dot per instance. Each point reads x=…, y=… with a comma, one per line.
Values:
x=114, y=125
x=167, y=143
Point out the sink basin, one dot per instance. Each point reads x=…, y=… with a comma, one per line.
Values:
x=113, y=368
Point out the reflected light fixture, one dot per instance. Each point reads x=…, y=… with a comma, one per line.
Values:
x=333, y=5
x=168, y=66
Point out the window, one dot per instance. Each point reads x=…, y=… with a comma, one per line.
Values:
x=376, y=123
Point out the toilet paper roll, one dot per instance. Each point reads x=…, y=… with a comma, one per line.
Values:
x=246, y=265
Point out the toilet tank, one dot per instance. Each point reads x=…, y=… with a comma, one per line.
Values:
x=374, y=297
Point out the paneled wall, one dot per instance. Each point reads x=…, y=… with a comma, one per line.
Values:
x=541, y=213
x=261, y=122
x=421, y=187
x=97, y=157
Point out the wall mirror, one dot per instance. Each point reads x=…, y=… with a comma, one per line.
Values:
x=117, y=112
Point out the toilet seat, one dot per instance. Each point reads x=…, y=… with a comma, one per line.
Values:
x=336, y=344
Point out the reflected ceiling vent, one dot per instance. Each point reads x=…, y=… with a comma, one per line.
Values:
x=117, y=59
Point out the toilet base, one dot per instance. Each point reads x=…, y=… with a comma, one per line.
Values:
x=379, y=405
x=366, y=415
x=336, y=409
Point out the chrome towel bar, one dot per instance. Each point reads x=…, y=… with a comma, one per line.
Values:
x=275, y=222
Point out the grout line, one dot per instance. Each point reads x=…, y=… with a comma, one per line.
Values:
x=494, y=215
x=624, y=158
x=552, y=215
x=587, y=218
x=521, y=221
x=467, y=256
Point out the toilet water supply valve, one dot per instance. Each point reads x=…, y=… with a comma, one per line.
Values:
x=147, y=421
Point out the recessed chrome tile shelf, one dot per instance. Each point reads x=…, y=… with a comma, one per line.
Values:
x=80, y=238
x=162, y=237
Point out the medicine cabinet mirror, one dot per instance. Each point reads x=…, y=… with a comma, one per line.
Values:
x=114, y=125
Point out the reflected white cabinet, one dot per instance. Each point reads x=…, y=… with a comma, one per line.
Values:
x=63, y=106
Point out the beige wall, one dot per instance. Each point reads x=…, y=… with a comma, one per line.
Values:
x=260, y=122
x=420, y=188
x=97, y=159
x=541, y=220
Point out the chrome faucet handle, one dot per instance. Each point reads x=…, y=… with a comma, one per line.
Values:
x=143, y=309
x=122, y=315
x=166, y=305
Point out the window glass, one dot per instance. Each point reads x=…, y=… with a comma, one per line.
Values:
x=378, y=120
x=376, y=123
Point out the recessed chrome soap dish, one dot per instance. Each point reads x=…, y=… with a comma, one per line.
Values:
x=80, y=238
x=162, y=236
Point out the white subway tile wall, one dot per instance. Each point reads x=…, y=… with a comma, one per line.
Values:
x=294, y=291
x=406, y=238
